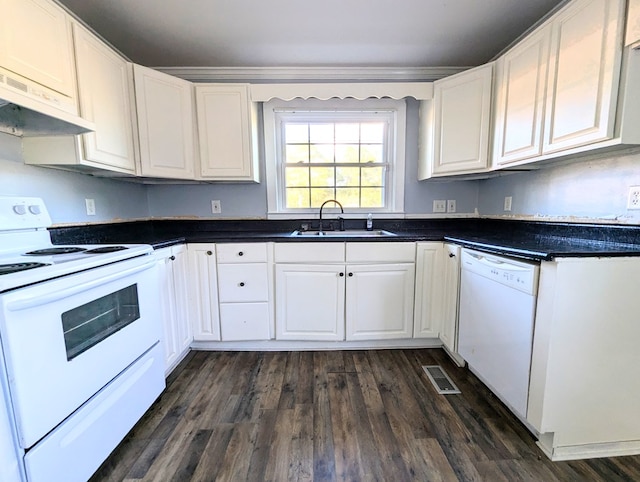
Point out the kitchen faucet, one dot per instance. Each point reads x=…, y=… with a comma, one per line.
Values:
x=340, y=218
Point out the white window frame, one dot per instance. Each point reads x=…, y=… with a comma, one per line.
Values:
x=274, y=154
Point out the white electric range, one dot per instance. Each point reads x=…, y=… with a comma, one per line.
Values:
x=80, y=359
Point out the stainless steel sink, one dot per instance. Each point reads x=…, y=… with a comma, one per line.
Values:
x=349, y=233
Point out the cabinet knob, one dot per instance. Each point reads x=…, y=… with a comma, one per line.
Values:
x=172, y=258
x=350, y=274
x=209, y=253
x=341, y=274
x=241, y=283
x=240, y=253
x=451, y=255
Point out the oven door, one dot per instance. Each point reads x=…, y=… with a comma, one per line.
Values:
x=67, y=338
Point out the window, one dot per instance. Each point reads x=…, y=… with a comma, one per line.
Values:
x=348, y=150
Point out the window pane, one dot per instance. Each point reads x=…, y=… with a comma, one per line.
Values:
x=348, y=153
x=372, y=132
x=297, y=154
x=296, y=133
x=371, y=153
x=347, y=133
x=349, y=197
x=322, y=176
x=297, y=198
x=348, y=176
x=372, y=176
x=371, y=197
x=321, y=153
x=296, y=176
x=318, y=196
x=321, y=133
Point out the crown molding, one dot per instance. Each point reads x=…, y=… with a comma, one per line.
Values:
x=310, y=74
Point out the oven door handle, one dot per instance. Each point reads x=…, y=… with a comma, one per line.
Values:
x=38, y=300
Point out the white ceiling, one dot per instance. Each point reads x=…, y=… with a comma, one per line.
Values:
x=310, y=33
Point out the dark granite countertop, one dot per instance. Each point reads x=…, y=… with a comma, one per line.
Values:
x=525, y=239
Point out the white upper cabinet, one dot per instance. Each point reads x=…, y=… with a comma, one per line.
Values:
x=103, y=87
x=36, y=43
x=226, y=132
x=460, y=121
x=633, y=23
x=164, y=106
x=584, y=69
x=520, y=93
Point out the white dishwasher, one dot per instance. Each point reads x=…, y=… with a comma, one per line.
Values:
x=496, y=321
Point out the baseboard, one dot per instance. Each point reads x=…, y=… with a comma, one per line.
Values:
x=591, y=451
x=281, y=345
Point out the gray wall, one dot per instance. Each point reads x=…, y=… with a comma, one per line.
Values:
x=588, y=190
x=250, y=200
x=64, y=192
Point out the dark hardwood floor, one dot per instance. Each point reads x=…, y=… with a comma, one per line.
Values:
x=335, y=415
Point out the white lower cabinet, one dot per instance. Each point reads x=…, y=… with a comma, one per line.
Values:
x=338, y=291
x=203, y=292
x=310, y=302
x=450, y=295
x=172, y=268
x=245, y=284
x=379, y=301
x=429, y=285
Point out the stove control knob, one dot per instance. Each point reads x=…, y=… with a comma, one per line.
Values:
x=34, y=209
x=20, y=209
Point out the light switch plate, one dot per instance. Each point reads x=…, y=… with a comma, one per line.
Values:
x=507, y=203
x=216, y=207
x=451, y=205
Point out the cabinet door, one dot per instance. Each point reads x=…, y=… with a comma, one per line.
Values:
x=103, y=87
x=167, y=302
x=225, y=118
x=462, y=109
x=180, y=267
x=521, y=89
x=164, y=106
x=203, y=292
x=584, y=70
x=428, y=293
x=310, y=302
x=36, y=42
x=451, y=285
x=633, y=23
x=379, y=301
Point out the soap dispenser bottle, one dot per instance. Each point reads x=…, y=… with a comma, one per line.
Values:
x=369, y=222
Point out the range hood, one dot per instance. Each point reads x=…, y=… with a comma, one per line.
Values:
x=28, y=109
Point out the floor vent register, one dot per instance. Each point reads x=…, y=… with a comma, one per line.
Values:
x=440, y=380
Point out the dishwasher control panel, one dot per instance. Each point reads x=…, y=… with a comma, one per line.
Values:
x=517, y=274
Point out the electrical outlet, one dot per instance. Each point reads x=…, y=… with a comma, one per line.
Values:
x=216, y=207
x=90, y=204
x=633, y=201
x=507, y=203
x=440, y=206
x=451, y=205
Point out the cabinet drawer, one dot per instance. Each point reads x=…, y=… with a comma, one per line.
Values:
x=381, y=252
x=326, y=252
x=243, y=282
x=244, y=321
x=242, y=253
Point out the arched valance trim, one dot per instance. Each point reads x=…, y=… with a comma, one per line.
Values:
x=324, y=91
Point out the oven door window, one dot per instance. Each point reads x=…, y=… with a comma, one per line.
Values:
x=89, y=324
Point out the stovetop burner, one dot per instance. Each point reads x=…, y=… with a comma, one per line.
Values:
x=104, y=249
x=16, y=267
x=56, y=250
